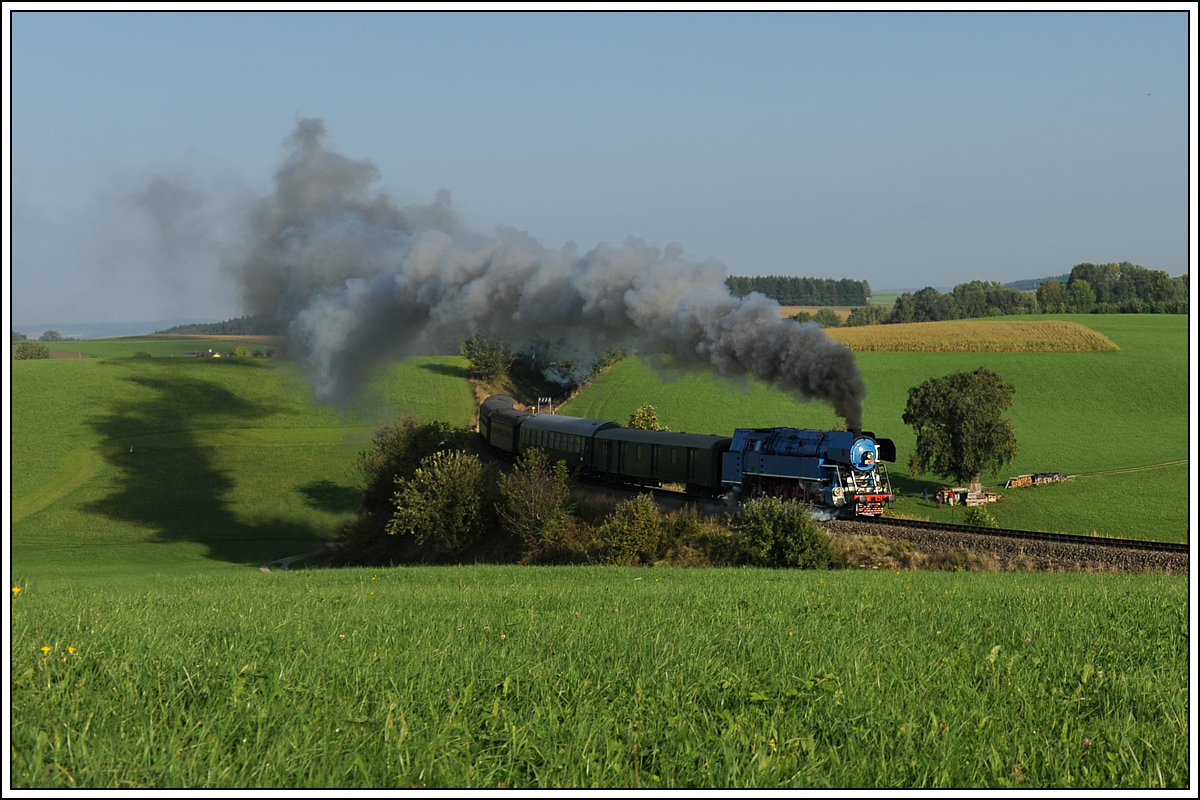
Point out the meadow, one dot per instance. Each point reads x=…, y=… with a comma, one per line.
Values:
x=225, y=459
x=1081, y=413
x=542, y=677
x=166, y=346
x=148, y=650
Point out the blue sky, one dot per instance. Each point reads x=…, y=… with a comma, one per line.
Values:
x=907, y=149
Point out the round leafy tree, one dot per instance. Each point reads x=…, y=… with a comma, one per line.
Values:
x=960, y=430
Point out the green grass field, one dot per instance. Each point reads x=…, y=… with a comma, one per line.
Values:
x=597, y=677
x=1074, y=413
x=163, y=347
x=147, y=650
x=228, y=459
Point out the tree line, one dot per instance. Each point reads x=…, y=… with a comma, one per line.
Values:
x=1114, y=288
x=792, y=291
x=250, y=325
x=1089, y=289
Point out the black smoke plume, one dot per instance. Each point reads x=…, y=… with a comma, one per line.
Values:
x=360, y=279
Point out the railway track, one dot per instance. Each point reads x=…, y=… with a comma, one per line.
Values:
x=680, y=498
x=1040, y=536
x=1005, y=548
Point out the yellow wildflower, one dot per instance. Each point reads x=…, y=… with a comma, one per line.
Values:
x=16, y=590
x=46, y=649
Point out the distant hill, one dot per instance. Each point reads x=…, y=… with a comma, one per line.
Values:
x=103, y=330
x=252, y=325
x=1033, y=283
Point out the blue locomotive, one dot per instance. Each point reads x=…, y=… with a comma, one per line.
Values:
x=839, y=470
x=836, y=469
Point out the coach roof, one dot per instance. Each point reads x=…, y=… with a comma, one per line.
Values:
x=559, y=423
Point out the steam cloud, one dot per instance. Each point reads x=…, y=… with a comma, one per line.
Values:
x=360, y=279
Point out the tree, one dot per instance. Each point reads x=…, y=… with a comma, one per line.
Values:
x=50, y=336
x=1051, y=297
x=960, y=430
x=491, y=358
x=17, y=336
x=1081, y=297
x=645, y=418
x=827, y=318
x=30, y=349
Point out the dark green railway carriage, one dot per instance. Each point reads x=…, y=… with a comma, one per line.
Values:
x=658, y=457
x=499, y=422
x=563, y=438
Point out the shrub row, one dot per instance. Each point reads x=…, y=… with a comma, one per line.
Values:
x=428, y=499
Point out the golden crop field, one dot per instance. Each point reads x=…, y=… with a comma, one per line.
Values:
x=790, y=311
x=975, y=336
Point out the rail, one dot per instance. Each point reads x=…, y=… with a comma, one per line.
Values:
x=1041, y=536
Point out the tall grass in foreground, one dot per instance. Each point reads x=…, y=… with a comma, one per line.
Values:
x=602, y=677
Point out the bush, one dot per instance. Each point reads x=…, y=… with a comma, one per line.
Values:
x=768, y=532
x=645, y=418
x=442, y=505
x=633, y=533
x=535, y=507
x=396, y=452
x=827, y=318
x=980, y=517
x=31, y=349
x=691, y=540
x=241, y=352
x=142, y=354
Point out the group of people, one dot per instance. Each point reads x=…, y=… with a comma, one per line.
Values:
x=950, y=496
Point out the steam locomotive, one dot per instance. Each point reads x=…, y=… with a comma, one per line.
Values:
x=837, y=470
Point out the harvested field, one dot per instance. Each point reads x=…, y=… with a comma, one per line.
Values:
x=975, y=336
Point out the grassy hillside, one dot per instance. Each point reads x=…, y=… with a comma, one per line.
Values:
x=1074, y=413
x=230, y=460
x=148, y=651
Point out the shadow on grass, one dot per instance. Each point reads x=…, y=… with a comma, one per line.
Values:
x=178, y=491
x=903, y=483
x=449, y=370
x=328, y=496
